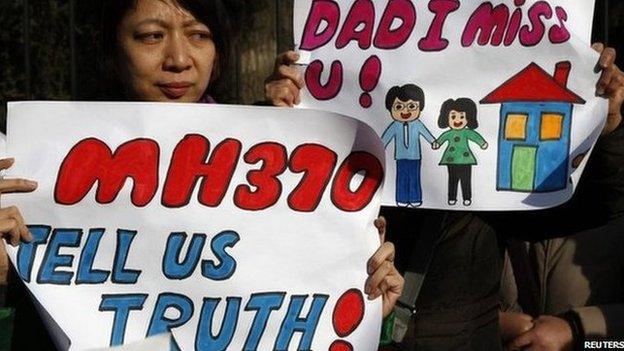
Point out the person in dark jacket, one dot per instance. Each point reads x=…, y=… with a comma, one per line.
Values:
x=575, y=252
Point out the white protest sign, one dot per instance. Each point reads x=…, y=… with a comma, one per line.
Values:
x=231, y=227
x=160, y=342
x=481, y=105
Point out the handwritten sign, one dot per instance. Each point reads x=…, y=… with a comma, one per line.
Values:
x=481, y=105
x=230, y=227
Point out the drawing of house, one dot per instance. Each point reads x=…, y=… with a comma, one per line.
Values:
x=535, y=126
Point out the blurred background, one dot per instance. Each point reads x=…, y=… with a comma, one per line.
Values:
x=47, y=47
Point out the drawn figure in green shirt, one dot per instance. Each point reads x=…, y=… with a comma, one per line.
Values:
x=460, y=116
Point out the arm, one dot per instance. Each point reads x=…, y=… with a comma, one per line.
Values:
x=513, y=322
x=604, y=174
x=508, y=291
x=389, y=134
x=443, y=138
x=426, y=133
x=13, y=230
x=477, y=139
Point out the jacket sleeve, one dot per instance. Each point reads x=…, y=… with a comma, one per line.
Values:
x=476, y=137
x=426, y=133
x=606, y=321
x=508, y=289
x=389, y=134
x=604, y=176
x=443, y=138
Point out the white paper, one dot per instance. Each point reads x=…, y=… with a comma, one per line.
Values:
x=445, y=47
x=160, y=342
x=293, y=250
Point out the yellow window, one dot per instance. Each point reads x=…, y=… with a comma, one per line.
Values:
x=551, y=126
x=515, y=126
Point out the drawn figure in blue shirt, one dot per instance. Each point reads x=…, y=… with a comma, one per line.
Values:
x=405, y=105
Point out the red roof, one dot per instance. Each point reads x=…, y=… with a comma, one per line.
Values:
x=532, y=84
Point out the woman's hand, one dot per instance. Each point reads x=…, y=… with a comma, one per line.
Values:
x=283, y=87
x=514, y=324
x=12, y=226
x=549, y=333
x=610, y=86
x=383, y=277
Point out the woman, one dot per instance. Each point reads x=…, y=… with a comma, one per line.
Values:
x=460, y=116
x=168, y=51
x=172, y=51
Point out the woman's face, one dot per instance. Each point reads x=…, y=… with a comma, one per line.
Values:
x=165, y=54
x=457, y=119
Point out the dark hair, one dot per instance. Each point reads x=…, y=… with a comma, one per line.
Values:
x=212, y=13
x=404, y=93
x=461, y=105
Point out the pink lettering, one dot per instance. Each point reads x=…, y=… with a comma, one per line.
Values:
x=490, y=22
x=532, y=36
x=559, y=34
x=328, y=90
x=362, y=14
x=322, y=11
x=387, y=38
x=434, y=41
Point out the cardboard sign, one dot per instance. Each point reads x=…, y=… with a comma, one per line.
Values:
x=481, y=105
x=230, y=227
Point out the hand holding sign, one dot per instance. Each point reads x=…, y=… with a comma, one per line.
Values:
x=610, y=85
x=384, y=279
x=283, y=87
x=12, y=226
